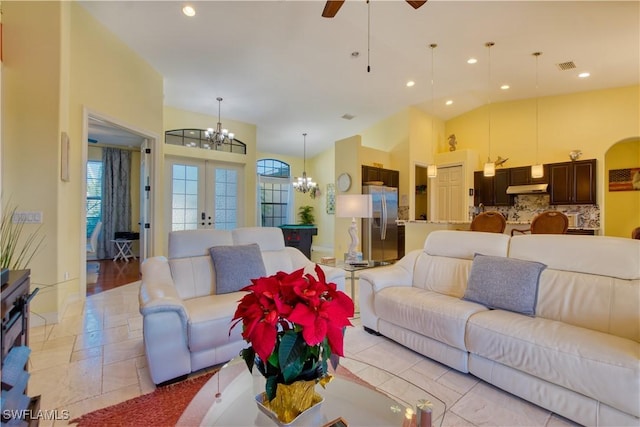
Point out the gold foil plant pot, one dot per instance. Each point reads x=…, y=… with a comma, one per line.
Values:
x=293, y=399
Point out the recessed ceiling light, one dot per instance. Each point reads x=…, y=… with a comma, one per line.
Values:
x=410, y=83
x=449, y=102
x=505, y=87
x=472, y=61
x=189, y=11
x=584, y=75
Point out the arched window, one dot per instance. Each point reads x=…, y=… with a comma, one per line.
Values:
x=274, y=193
x=196, y=138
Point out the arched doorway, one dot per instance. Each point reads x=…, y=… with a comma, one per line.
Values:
x=622, y=208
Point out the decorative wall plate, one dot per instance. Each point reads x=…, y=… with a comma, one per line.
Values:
x=344, y=182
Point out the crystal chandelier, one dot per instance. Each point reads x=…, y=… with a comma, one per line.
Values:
x=304, y=183
x=218, y=135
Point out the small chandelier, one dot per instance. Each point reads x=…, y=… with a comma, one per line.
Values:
x=304, y=183
x=218, y=135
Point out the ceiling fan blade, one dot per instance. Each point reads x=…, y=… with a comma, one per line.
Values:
x=416, y=3
x=331, y=8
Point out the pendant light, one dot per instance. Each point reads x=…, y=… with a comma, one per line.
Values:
x=537, y=170
x=432, y=169
x=489, y=167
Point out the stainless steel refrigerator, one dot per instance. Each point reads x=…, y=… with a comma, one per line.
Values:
x=380, y=233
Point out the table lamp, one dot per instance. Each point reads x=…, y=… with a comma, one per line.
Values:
x=354, y=206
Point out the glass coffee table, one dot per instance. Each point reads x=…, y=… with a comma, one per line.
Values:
x=228, y=399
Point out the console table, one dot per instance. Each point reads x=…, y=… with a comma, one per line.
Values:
x=17, y=407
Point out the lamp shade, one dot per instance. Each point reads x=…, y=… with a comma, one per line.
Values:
x=354, y=206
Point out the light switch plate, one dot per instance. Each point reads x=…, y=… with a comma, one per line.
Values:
x=27, y=217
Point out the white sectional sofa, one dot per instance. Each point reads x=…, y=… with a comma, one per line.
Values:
x=579, y=356
x=185, y=322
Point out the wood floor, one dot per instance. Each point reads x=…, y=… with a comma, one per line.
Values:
x=111, y=274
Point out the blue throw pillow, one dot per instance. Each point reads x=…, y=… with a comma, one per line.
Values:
x=504, y=283
x=235, y=266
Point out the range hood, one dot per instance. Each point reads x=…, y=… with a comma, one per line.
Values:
x=527, y=189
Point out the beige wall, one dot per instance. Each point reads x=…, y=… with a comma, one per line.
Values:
x=31, y=132
x=58, y=60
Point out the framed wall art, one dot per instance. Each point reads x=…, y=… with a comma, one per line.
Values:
x=624, y=179
x=331, y=199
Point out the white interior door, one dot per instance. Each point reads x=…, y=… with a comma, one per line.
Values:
x=450, y=194
x=204, y=194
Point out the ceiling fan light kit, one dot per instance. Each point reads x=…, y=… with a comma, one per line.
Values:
x=332, y=7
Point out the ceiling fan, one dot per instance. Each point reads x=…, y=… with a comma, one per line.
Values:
x=333, y=6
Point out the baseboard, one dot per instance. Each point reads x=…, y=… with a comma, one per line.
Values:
x=43, y=319
x=53, y=317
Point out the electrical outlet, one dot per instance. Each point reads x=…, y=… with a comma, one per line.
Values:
x=66, y=275
x=27, y=217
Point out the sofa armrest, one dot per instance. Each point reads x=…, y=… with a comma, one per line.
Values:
x=398, y=274
x=157, y=291
x=165, y=322
x=334, y=275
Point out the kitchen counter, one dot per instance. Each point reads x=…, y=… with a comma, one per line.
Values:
x=417, y=231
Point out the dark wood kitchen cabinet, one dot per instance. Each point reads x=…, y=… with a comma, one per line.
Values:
x=522, y=176
x=572, y=183
x=492, y=191
x=389, y=177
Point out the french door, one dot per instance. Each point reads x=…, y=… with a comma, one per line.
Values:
x=204, y=194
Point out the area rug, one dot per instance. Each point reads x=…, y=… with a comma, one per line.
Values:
x=163, y=406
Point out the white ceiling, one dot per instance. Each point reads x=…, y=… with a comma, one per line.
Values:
x=284, y=68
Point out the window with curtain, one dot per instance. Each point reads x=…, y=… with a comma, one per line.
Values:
x=274, y=192
x=94, y=194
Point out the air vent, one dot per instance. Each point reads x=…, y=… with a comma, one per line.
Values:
x=569, y=65
x=348, y=116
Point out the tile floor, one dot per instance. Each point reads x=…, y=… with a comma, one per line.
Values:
x=95, y=358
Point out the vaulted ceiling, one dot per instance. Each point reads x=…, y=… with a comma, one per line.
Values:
x=283, y=67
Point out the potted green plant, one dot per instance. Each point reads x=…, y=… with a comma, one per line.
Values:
x=306, y=215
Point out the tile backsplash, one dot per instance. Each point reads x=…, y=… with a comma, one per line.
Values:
x=527, y=206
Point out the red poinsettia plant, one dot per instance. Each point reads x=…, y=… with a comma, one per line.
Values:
x=295, y=323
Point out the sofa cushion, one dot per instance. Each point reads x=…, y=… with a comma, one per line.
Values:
x=210, y=320
x=235, y=266
x=595, y=364
x=437, y=316
x=504, y=283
